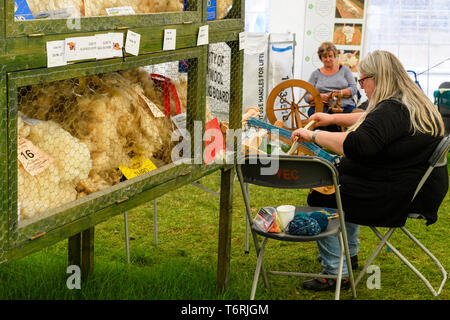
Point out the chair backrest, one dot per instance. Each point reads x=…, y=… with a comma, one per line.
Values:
x=437, y=159
x=288, y=172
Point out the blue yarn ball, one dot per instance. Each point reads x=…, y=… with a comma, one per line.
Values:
x=321, y=218
x=304, y=226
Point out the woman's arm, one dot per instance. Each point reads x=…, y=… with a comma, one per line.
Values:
x=333, y=141
x=341, y=119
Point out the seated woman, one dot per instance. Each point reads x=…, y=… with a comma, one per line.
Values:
x=385, y=154
x=331, y=80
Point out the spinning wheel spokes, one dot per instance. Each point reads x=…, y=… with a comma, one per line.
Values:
x=280, y=92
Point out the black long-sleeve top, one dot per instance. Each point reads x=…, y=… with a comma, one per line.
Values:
x=382, y=167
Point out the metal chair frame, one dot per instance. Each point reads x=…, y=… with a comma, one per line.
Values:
x=308, y=165
x=438, y=159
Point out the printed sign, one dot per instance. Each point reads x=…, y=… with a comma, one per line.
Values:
x=218, y=79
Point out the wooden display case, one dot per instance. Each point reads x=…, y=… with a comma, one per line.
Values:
x=24, y=65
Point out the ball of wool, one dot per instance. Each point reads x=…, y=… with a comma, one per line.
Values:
x=321, y=218
x=304, y=226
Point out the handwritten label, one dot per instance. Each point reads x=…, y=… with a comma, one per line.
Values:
x=55, y=54
x=170, y=39
x=33, y=160
x=133, y=43
x=139, y=166
x=203, y=35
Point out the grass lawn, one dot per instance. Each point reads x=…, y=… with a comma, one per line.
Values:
x=183, y=263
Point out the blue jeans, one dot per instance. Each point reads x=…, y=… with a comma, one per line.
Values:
x=329, y=249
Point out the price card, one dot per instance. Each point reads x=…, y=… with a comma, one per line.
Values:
x=133, y=43
x=203, y=35
x=104, y=46
x=170, y=39
x=117, y=40
x=242, y=40
x=55, y=54
x=80, y=48
x=139, y=166
x=33, y=160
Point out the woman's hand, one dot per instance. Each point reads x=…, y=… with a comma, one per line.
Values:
x=302, y=134
x=324, y=97
x=322, y=119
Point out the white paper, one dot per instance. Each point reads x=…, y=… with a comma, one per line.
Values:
x=170, y=39
x=80, y=48
x=203, y=35
x=55, y=54
x=180, y=121
x=133, y=43
x=104, y=46
x=119, y=11
x=117, y=40
x=242, y=38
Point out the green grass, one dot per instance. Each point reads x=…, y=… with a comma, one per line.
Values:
x=183, y=264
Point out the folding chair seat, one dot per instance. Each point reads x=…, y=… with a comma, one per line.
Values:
x=293, y=172
x=437, y=159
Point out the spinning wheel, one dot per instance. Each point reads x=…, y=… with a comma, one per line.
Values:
x=282, y=103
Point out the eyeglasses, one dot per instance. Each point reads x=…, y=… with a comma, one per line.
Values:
x=361, y=81
x=327, y=49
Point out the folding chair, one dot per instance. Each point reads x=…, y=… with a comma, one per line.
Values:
x=437, y=159
x=293, y=172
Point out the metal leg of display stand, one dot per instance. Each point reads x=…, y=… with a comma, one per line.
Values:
x=247, y=225
x=155, y=222
x=127, y=236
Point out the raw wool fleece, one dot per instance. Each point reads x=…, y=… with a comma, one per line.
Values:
x=106, y=113
x=98, y=7
x=56, y=185
x=38, y=6
x=223, y=6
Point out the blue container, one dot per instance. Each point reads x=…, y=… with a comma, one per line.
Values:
x=211, y=10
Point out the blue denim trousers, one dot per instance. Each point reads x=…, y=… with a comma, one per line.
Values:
x=329, y=249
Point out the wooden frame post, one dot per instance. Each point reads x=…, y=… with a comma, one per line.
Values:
x=225, y=219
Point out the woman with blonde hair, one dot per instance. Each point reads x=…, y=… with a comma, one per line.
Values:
x=385, y=154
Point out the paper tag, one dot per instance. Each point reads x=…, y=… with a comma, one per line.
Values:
x=104, y=46
x=133, y=43
x=170, y=39
x=146, y=166
x=55, y=54
x=64, y=13
x=242, y=40
x=203, y=35
x=33, y=159
x=30, y=121
x=180, y=120
x=117, y=40
x=153, y=108
x=119, y=11
x=80, y=48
